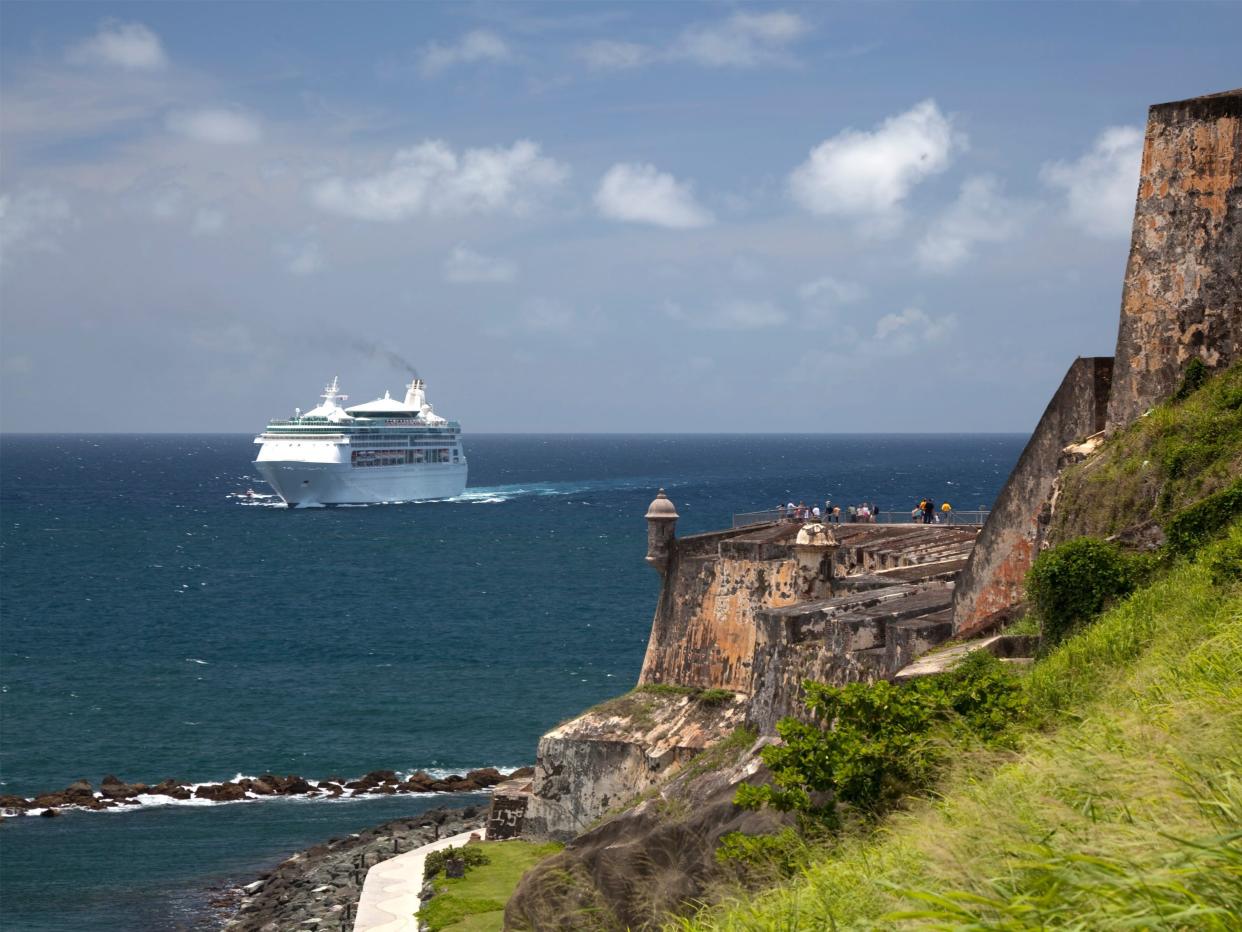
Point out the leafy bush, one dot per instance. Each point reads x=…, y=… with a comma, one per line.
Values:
x=764, y=857
x=436, y=861
x=714, y=697
x=1193, y=527
x=1192, y=379
x=1224, y=562
x=1073, y=582
x=878, y=742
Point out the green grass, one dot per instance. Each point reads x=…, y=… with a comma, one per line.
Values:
x=1176, y=455
x=1120, y=809
x=476, y=902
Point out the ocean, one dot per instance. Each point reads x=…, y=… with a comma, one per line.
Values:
x=157, y=622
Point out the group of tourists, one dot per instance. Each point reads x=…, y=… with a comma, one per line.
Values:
x=830, y=514
x=925, y=512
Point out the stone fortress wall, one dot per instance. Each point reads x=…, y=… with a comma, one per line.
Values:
x=753, y=612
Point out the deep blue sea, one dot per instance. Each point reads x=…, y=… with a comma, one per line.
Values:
x=156, y=623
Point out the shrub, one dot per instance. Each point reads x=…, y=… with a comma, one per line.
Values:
x=473, y=855
x=1072, y=583
x=764, y=857
x=1195, y=526
x=878, y=741
x=1192, y=379
x=714, y=697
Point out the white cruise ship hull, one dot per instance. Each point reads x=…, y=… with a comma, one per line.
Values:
x=303, y=484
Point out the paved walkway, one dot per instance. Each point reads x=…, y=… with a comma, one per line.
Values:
x=390, y=892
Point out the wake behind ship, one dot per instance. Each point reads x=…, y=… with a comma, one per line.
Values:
x=381, y=451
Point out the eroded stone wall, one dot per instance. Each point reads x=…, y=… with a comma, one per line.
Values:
x=992, y=583
x=704, y=629
x=1182, y=297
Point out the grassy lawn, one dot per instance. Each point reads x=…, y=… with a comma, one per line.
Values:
x=476, y=902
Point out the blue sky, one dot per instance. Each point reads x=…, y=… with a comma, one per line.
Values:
x=578, y=217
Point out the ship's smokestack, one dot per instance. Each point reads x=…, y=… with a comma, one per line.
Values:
x=415, y=396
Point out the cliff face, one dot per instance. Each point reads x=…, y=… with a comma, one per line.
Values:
x=1182, y=297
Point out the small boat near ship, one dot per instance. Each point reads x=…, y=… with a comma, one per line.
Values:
x=386, y=450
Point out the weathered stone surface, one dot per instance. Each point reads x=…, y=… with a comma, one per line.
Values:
x=1182, y=297
x=653, y=859
x=991, y=585
x=607, y=755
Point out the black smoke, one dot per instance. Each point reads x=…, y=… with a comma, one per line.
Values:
x=383, y=354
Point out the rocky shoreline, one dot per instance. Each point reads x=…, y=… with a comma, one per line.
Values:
x=114, y=792
x=319, y=888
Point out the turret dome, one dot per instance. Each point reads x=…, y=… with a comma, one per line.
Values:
x=661, y=508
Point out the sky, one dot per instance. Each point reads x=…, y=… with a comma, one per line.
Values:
x=582, y=217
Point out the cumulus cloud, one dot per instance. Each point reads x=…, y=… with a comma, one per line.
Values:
x=912, y=329
x=1100, y=187
x=218, y=126
x=208, y=221
x=612, y=55
x=465, y=266
x=546, y=315
x=430, y=178
x=744, y=40
x=832, y=289
x=981, y=214
x=131, y=46
x=868, y=174
x=732, y=314
x=32, y=220
x=641, y=194
x=476, y=46
x=301, y=256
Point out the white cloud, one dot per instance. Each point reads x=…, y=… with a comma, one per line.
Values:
x=1100, y=187
x=732, y=314
x=32, y=219
x=430, y=178
x=641, y=194
x=545, y=315
x=131, y=46
x=981, y=214
x=869, y=174
x=464, y=266
x=611, y=55
x=302, y=256
x=208, y=221
x=912, y=330
x=832, y=289
x=475, y=46
x=219, y=126
x=744, y=40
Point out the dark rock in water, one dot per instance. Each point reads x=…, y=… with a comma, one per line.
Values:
x=14, y=802
x=112, y=788
x=488, y=776
x=381, y=776
x=171, y=788
x=521, y=772
x=292, y=785
x=259, y=787
x=334, y=789
x=221, y=792
x=79, y=789
x=50, y=813
x=384, y=789
x=49, y=800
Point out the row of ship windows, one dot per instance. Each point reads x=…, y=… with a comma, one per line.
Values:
x=402, y=457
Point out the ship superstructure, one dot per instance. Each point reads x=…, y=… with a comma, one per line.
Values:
x=386, y=450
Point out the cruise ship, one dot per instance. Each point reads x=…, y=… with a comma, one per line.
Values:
x=385, y=450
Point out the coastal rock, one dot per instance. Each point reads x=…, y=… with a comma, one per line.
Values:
x=487, y=776
x=221, y=792
x=49, y=800
x=170, y=788
x=381, y=776
x=319, y=887
x=14, y=802
x=259, y=787
x=79, y=789
x=521, y=772
x=113, y=788
x=50, y=813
